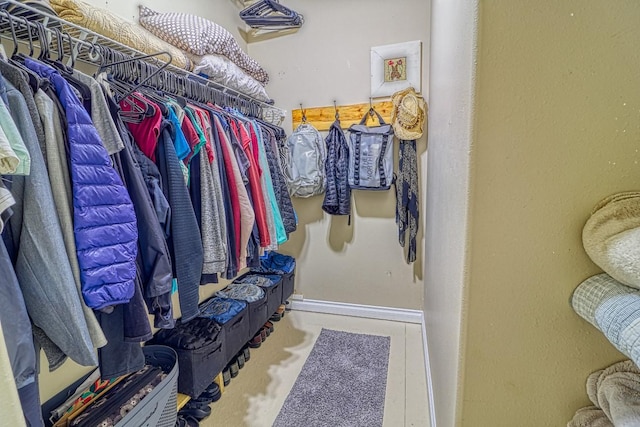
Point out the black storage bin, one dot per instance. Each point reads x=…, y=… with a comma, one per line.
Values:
x=258, y=314
x=273, y=291
x=233, y=317
x=253, y=295
x=274, y=295
x=238, y=333
x=198, y=366
x=288, y=285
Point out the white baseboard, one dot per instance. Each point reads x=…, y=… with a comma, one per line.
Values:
x=356, y=310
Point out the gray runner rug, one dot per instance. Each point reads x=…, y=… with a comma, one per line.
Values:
x=342, y=383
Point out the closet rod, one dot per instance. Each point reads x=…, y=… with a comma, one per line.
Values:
x=83, y=37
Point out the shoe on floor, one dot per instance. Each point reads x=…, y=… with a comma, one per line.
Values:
x=226, y=376
x=186, y=421
x=279, y=314
x=234, y=368
x=247, y=353
x=256, y=341
x=211, y=394
x=198, y=411
x=269, y=325
x=240, y=358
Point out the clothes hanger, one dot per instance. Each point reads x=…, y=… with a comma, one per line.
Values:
x=270, y=14
x=16, y=58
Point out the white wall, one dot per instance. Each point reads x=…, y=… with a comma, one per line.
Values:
x=329, y=59
x=453, y=52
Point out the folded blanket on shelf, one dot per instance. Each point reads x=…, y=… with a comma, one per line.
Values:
x=117, y=28
x=615, y=392
x=612, y=308
x=611, y=237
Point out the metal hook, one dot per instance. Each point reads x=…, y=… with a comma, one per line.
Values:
x=335, y=107
x=371, y=109
x=304, y=114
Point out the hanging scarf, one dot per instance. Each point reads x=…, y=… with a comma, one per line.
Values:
x=407, y=196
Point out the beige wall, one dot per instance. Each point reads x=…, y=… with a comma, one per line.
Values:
x=327, y=60
x=556, y=129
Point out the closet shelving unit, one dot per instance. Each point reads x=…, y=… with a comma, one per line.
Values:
x=24, y=18
x=84, y=41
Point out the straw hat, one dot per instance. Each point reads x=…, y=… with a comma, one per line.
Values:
x=408, y=114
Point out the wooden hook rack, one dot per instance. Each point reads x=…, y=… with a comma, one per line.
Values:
x=323, y=117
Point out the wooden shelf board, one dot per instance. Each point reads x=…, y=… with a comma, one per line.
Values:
x=183, y=399
x=323, y=117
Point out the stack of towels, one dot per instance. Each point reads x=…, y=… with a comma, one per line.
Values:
x=615, y=394
x=611, y=302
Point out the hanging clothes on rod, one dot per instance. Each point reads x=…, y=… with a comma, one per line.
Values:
x=146, y=181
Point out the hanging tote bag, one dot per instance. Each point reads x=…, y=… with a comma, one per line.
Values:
x=371, y=155
x=304, y=155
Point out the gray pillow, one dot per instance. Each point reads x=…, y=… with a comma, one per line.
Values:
x=200, y=37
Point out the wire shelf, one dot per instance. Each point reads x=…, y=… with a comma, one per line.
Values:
x=20, y=22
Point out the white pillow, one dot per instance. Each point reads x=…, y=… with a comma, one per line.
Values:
x=199, y=36
x=221, y=70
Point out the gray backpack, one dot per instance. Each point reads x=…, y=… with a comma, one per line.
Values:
x=371, y=155
x=303, y=156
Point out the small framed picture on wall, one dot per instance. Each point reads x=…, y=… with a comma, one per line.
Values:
x=395, y=67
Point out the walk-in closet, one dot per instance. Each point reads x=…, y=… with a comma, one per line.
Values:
x=341, y=213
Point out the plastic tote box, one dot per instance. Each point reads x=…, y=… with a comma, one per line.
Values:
x=160, y=407
x=127, y=404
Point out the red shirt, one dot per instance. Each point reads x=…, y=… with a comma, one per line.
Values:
x=147, y=132
x=255, y=183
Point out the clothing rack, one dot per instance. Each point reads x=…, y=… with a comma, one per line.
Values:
x=88, y=45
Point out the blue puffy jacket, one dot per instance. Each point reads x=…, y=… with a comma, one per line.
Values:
x=104, y=219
